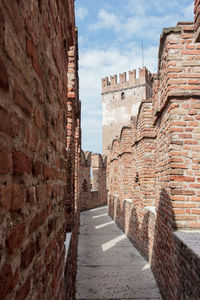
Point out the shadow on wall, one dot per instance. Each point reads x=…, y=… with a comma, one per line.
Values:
x=174, y=265
x=163, y=258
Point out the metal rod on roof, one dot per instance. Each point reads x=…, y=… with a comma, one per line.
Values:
x=142, y=56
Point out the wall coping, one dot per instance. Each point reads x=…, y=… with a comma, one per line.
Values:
x=191, y=238
x=152, y=209
x=67, y=243
x=129, y=200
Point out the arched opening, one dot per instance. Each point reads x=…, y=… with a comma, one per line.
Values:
x=122, y=95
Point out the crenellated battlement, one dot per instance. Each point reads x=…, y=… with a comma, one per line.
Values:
x=117, y=83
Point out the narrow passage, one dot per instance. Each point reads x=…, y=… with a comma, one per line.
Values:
x=109, y=266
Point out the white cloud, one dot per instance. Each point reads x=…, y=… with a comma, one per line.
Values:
x=106, y=20
x=81, y=12
x=141, y=23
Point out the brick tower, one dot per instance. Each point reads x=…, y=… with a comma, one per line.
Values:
x=121, y=101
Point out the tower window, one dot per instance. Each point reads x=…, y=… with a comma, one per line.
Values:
x=122, y=95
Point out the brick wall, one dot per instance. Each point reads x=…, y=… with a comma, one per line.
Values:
x=197, y=20
x=161, y=214
x=40, y=147
x=92, y=181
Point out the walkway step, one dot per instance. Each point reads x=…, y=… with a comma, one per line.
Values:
x=109, y=266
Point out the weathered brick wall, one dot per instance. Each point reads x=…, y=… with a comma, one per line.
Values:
x=164, y=180
x=197, y=20
x=92, y=181
x=38, y=154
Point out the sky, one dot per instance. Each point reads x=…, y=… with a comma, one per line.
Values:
x=111, y=33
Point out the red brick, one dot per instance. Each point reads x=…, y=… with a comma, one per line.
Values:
x=8, y=280
x=179, y=211
x=41, y=193
x=18, y=197
x=193, y=81
x=38, y=220
x=176, y=129
x=183, y=178
x=9, y=122
x=192, y=112
x=31, y=52
x=2, y=26
x=39, y=120
x=185, y=136
x=182, y=192
x=190, y=142
x=24, y=290
x=35, y=222
x=12, y=197
x=47, y=172
x=194, y=224
x=191, y=52
x=196, y=211
x=193, y=123
x=49, y=250
x=28, y=255
x=179, y=166
x=16, y=237
x=31, y=195
x=22, y=101
x=21, y=163
x=38, y=168
x=6, y=196
x=5, y=161
x=195, y=106
x=4, y=81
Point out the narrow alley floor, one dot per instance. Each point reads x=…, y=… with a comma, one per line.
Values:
x=109, y=266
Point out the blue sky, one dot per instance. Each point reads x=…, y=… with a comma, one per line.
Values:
x=110, y=38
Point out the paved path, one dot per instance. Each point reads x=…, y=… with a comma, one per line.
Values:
x=109, y=266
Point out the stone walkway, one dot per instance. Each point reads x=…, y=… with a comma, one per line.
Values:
x=109, y=266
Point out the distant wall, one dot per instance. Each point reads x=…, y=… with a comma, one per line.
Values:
x=39, y=149
x=92, y=181
x=153, y=169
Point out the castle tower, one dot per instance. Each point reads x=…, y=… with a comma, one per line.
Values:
x=121, y=101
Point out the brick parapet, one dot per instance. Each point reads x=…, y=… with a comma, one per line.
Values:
x=197, y=20
x=144, y=122
x=125, y=139
x=178, y=63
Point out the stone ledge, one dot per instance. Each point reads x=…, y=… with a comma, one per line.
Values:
x=129, y=200
x=151, y=209
x=67, y=243
x=191, y=239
